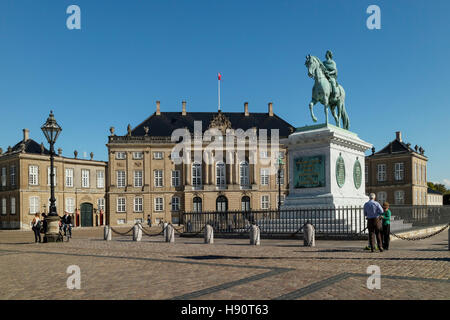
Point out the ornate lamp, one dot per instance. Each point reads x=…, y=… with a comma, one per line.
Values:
x=51, y=130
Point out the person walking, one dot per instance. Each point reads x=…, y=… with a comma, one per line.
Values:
x=386, y=216
x=36, y=227
x=67, y=224
x=372, y=212
x=149, y=221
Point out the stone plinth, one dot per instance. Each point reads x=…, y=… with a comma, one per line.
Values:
x=326, y=168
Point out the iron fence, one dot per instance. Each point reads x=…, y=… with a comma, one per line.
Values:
x=326, y=221
x=345, y=221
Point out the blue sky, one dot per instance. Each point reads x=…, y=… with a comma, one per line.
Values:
x=131, y=53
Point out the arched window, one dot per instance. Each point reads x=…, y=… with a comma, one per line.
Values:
x=221, y=204
x=244, y=174
x=220, y=174
x=197, y=201
x=196, y=174
x=245, y=203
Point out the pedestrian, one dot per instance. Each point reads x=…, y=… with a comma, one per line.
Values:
x=372, y=212
x=44, y=223
x=149, y=221
x=386, y=225
x=67, y=224
x=36, y=227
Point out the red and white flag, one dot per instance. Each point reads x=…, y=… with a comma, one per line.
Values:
x=220, y=76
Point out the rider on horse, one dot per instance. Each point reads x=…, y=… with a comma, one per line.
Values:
x=331, y=74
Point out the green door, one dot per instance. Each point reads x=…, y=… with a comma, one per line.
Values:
x=86, y=214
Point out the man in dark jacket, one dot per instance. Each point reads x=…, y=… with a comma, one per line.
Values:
x=67, y=224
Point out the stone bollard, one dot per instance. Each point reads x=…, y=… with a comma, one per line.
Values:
x=137, y=232
x=254, y=235
x=107, y=233
x=209, y=234
x=170, y=234
x=309, y=236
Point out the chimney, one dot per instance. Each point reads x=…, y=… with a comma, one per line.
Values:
x=183, y=112
x=59, y=152
x=270, y=109
x=398, y=136
x=26, y=135
x=246, y=109
x=158, y=109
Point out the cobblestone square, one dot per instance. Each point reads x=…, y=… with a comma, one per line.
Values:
x=228, y=269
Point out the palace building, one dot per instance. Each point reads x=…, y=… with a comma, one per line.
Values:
x=25, y=186
x=146, y=180
x=398, y=173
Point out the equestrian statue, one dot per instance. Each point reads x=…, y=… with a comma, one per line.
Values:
x=326, y=90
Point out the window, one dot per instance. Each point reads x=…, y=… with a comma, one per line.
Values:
x=138, y=155
x=33, y=175
x=244, y=174
x=196, y=174
x=264, y=154
x=381, y=172
x=138, y=181
x=220, y=174
x=417, y=197
x=221, y=204
x=399, y=171
x=138, y=204
x=4, y=206
x=121, y=205
x=282, y=199
x=159, y=204
x=85, y=178
x=175, y=203
x=280, y=155
x=399, y=196
x=265, y=177
x=13, y=205
x=101, y=204
x=416, y=173
x=120, y=221
x=4, y=177
x=245, y=203
x=12, y=175
x=281, y=177
x=158, y=155
x=381, y=197
x=54, y=176
x=121, y=155
x=366, y=173
x=120, y=179
x=34, y=205
x=70, y=205
x=100, y=179
x=175, y=178
x=265, y=202
x=158, y=178
x=69, y=178
x=197, y=201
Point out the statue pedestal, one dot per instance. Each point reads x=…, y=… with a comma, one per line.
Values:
x=326, y=168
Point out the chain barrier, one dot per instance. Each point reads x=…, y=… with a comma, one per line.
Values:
x=423, y=237
x=122, y=233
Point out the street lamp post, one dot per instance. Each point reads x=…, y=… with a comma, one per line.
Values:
x=51, y=130
x=280, y=168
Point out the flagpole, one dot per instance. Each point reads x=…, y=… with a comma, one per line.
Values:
x=219, y=90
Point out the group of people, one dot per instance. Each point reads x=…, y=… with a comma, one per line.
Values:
x=378, y=223
x=39, y=226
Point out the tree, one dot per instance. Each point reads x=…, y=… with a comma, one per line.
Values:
x=439, y=187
